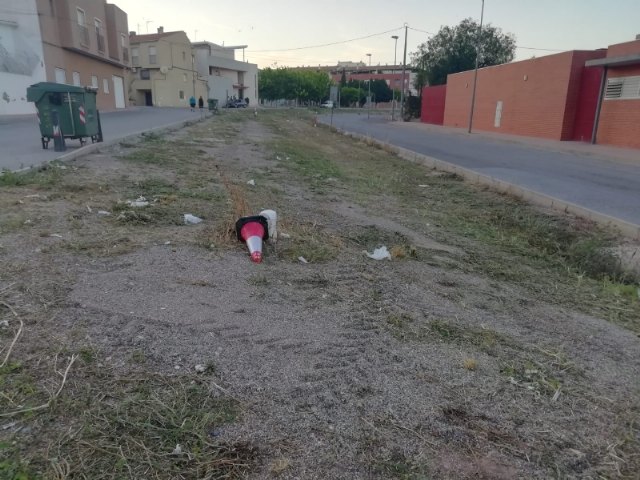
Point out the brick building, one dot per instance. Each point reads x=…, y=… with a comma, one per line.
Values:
x=568, y=96
x=618, y=122
x=79, y=42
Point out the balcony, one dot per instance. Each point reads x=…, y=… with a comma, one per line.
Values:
x=83, y=35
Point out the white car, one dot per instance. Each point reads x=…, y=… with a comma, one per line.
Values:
x=327, y=104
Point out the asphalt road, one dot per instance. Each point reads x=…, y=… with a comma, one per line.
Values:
x=602, y=184
x=20, y=145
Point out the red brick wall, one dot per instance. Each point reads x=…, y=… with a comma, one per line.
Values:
x=622, y=49
x=576, y=101
x=433, y=103
x=536, y=94
x=588, y=103
x=620, y=119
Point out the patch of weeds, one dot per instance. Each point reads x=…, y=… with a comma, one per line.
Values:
x=399, y=321
x=43, y=177
x=531, y=376
x=397, y=465
x=151, y=187
x=279, y=466
x=12, y=223
x=87, y=355
x=140, y=426
x=259, y=281
x=470, y=364
x=139, y=357
x=311, y=243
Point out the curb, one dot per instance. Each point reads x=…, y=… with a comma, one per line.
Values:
x=95, y=147
x=627, y=229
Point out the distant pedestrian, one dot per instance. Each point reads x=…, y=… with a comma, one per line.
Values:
x=192, y=102
x=200, y=103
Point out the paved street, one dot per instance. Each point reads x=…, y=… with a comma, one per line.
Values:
x=591, y=179
x=20, y=144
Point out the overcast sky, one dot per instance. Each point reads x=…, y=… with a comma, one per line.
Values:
x=271, y=27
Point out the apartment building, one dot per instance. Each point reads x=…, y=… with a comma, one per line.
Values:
x=226, y=77
x=79, y=42
x=163, y=72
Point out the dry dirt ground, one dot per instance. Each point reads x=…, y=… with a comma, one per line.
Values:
x=499, y=342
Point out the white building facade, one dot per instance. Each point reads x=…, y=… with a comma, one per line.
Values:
x=226, y=77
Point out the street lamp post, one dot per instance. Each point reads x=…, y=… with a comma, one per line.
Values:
x=475, y=75
x=393, y=92
x=369, y=82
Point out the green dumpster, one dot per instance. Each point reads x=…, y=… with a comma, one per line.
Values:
x=74, y=107
x=213, y=104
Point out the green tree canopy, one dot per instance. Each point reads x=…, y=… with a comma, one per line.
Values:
x=453, y=50
x=292, y=84
x=380, y=91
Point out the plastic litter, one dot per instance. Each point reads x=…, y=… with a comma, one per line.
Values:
x=191, y=219
x=272, y=221
x=200, y=368
x=139, y=202
x=379, y=254
x=285, y=235
x=302, y=260
x=103, y=213
x=177, y=450
x=252, y=183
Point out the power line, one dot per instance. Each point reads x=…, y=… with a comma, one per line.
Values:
x=330, y=44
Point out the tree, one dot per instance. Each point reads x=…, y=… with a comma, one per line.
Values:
x=290, y=84
x=453, y=50
x=349, y=96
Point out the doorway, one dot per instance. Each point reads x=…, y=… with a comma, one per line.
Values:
x=148, y=99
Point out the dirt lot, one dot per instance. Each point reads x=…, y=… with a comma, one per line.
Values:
x=499, y=342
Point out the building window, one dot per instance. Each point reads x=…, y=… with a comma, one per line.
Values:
x=99, y=36
x=76, y=78
x=105, y=85
x=184, y=57
x=145, y=74
x=135, y=59
x=184, y=77
x=94, y=81
x=61, y=75
x=181, y=94
x=83, y=31
x=622, y=88
x=153, y=59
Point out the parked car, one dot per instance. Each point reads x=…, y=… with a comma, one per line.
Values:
x=327, y=104
x=236, y=104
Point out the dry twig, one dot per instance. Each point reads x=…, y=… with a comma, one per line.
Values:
x=15, y=339
x=53, y=397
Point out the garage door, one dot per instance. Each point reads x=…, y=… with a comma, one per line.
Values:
x=118, y=91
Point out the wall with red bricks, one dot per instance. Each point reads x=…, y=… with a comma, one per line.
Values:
x=622, y=49
x=433, y=103
x=588, y=104
x=540, y=96
x=620, y=119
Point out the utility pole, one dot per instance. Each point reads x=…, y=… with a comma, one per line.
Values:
x=369, y=82
x=475, y=75
x=393, y=92
x=404, y=67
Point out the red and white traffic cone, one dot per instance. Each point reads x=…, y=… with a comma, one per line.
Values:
x=252, y=231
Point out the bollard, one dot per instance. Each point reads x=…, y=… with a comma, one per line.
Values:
x=58, y=137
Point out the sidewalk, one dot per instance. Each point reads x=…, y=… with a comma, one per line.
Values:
x=594, y=181
x=582, y=148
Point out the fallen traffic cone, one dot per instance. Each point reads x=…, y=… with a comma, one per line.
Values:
x=252, y=231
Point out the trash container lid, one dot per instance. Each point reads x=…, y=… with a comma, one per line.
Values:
x=37, y=90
